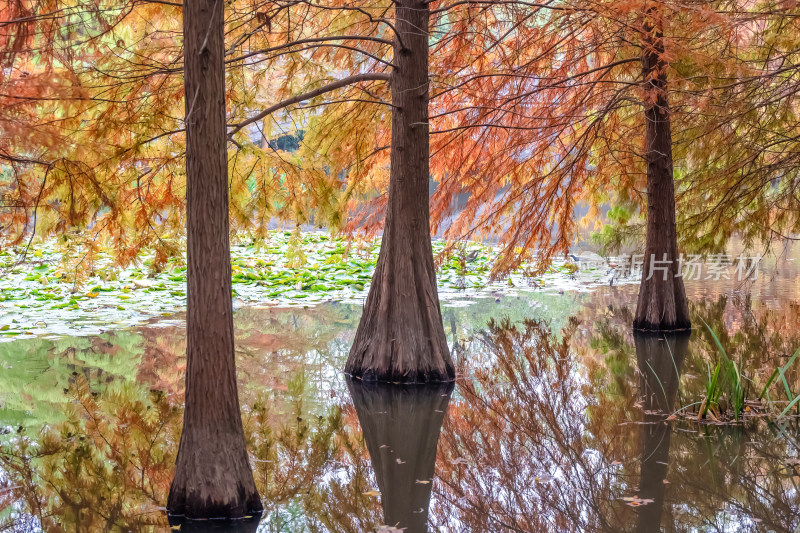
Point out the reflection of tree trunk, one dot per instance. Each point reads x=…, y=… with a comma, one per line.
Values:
x=400, y=337
x=660, y=358
x=401, y=426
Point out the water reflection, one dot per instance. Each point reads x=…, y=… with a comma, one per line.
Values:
x=521, y=450
x=401, y=426
x=548, y=430
x=660, y=359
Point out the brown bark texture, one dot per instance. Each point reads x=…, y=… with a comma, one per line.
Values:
x=401, y=426
x=401, y=337
x=213, y=478
x=662, y=304
x=660, y=359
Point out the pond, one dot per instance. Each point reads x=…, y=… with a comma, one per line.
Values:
x=561, y=420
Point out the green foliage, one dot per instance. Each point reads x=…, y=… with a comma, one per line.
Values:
x=726, y=380
x=622, y=228
x=49, y=289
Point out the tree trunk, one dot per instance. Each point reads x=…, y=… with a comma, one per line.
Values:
x=401, y=426
x=401, y=337
x=662, y=302
x=213, y=477
x=660, y=360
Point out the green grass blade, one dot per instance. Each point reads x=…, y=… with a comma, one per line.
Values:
x=791, y=360
x=786, y=385
x=716, y=341
x=778, y=371
x=659, y=382
x=769, y=382
x=791, y=404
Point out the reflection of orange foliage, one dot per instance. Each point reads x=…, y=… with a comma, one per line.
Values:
x=514, y=452
x=110, y=464
x=163, y=365
x=271, y=344
x=532, y=440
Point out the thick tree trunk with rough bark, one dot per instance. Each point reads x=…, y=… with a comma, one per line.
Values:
x=401, y=426
x=662, y=302
x=660, y=359
x=213, y=478
x=400, y=337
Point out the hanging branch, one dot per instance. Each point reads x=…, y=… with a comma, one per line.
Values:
x=338, y=84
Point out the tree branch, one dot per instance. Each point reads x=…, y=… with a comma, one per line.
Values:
x=312, y=47
x=309, y=41
x=344, y=82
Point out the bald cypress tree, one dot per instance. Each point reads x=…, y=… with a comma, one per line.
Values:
x=213, y=478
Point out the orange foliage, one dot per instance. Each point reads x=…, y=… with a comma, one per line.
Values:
x=535, y=116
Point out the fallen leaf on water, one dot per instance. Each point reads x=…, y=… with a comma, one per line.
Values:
x=390, y=529
x=635, y=501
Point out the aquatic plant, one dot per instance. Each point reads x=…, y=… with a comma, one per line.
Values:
x=781, y=371
x=724, y=381
x=728, y=385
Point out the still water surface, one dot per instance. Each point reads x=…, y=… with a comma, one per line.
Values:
x=560, y=420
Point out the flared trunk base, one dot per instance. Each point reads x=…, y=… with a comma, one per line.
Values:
x=400, y=338
x=247, y=524
x=662, y=305
x=193, y=502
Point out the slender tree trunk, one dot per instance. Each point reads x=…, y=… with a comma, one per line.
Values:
x=401, y=337
x=660, y=359
x=213, y=477
x=662, y=302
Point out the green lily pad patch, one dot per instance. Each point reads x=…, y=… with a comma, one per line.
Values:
x=286, y=269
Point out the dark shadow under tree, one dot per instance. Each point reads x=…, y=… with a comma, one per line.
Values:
x=660, y=359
